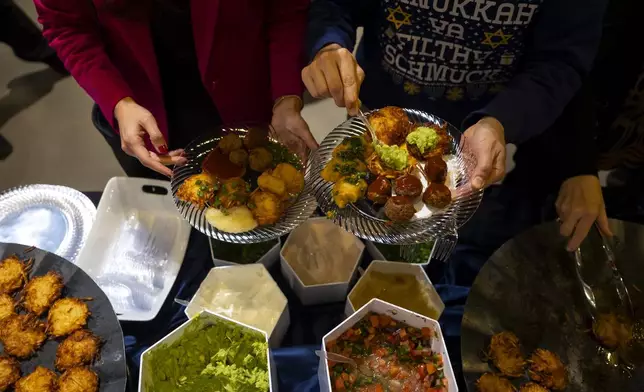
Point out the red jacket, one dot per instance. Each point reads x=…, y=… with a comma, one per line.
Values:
x=249, y=53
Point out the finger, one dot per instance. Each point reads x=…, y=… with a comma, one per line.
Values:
x=498, y=168
x=309, y=83
x=176, y=153
x=306, y=136
x=483, y=168
x=144, y=156
x=168, y=160
x=334, y=81
x=156, y=137
x=350, y=81
x=568, y=223
x=321, y=88
x=581, y=231
x=602, y=223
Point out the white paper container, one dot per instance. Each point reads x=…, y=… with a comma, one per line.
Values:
x=276, y=334
x=319, y=293
x=376, y=254
x=388, y=267
x=136, y=246
x=146, y=372
x=268, y=259
x=399, y=314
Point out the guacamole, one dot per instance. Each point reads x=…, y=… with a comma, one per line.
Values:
x=210, y=357
x=392, y=156
x=424, y=138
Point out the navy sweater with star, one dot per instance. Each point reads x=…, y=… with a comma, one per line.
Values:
x=519, y=61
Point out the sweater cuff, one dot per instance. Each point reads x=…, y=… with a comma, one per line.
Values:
x=510, y=121
x=332, y=37
x=107, y=92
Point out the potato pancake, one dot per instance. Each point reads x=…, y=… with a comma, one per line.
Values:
x=9, y=372
x=41, y=292
x=13, y=274
x=80, y=348
x=22, y=335
x=41, y=380
x=78, y=379
x=66, y=316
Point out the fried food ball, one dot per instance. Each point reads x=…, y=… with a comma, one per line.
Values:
x=354, y=147
x=408, y=185
x=233, y=192
x=78, y=379
x=22, y=335
x=489, y=382
x=9, y=372
x=399, y=209
x=230, y=143
x=7, y=306
x=547, y=369
x=269, y=183
x=266, y=207
x=532, y=387
x=41, y=380
x=505, y=353
x=437, y=195
x=338, y=168
x=198, y=189
x=436, y=170
x=348, y=190
x=41, y=292
x=256, y=137
x=612, y=331
x=260, y=159
x=13, y=274
x=66, y=316
x=239, y=157
x=78, y=349
x=391, y=125
x=293, y=178
x=379, y=190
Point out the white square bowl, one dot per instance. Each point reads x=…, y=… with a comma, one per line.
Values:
x=433, y=301
x=399, y=314
x=268, y=259
x=205, y=318
x=237, y=279
x=326, y=292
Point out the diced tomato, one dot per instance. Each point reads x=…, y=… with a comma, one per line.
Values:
x=380, y=351
x=375, y=321
x=384, y=320
x=379, y=388
x=422, y=371
x=345, y=376
x=339, y=384
x=427, y=333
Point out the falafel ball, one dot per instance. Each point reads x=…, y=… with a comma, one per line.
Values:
x=399, y=209
x=260, y=159
x=7, y=306
x=256, y=137
x=379, y=191
x=408, y=185
x=436, y=169
x=489, y=382
x=437, y=195
x=612, y=331
x=78, y=349
x=9, y=372
x=78, y=379
x=239, y=157
x=230, y=143
x=13, y=274
x=22, y=335
x=40, y=380
x=66, y=316
x=547, y=369
x=505, y=353
x=532, y=387
x=41, y=292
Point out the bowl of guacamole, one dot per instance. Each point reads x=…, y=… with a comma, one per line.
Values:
x=208, y=353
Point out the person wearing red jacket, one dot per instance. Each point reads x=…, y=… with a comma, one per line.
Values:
x=162, y=72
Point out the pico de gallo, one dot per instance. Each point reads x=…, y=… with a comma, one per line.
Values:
x=390, y=357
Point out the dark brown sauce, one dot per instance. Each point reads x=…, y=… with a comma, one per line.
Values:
x=218, y=165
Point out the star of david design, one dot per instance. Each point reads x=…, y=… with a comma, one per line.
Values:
x=490, y=38
x=395, y=13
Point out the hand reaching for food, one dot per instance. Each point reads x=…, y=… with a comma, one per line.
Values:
x=334, y=72
x=485, y=143
x=135, y=123
x=290, y=127
x=579, y=205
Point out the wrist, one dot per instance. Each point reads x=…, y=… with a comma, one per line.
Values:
x=123, y=103
x=492, y=122
x=288, y=103
x=328, y=48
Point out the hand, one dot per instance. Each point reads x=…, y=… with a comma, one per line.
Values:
x=580, y=203
x=335, y=73
x=135, y=122
x=485, y=143
x=291, y=128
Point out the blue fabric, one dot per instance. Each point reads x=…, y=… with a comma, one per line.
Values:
x=519, y=61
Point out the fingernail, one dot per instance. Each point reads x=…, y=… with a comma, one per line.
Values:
x=478, y=182
x=163, y=149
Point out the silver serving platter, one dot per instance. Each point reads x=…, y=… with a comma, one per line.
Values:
x=50, y=217
x=360, y=218
x=303, y=207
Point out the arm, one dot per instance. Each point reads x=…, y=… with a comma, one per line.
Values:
x=332, y=22
x=286, y=29
x=561, y=52
x=72, y=30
